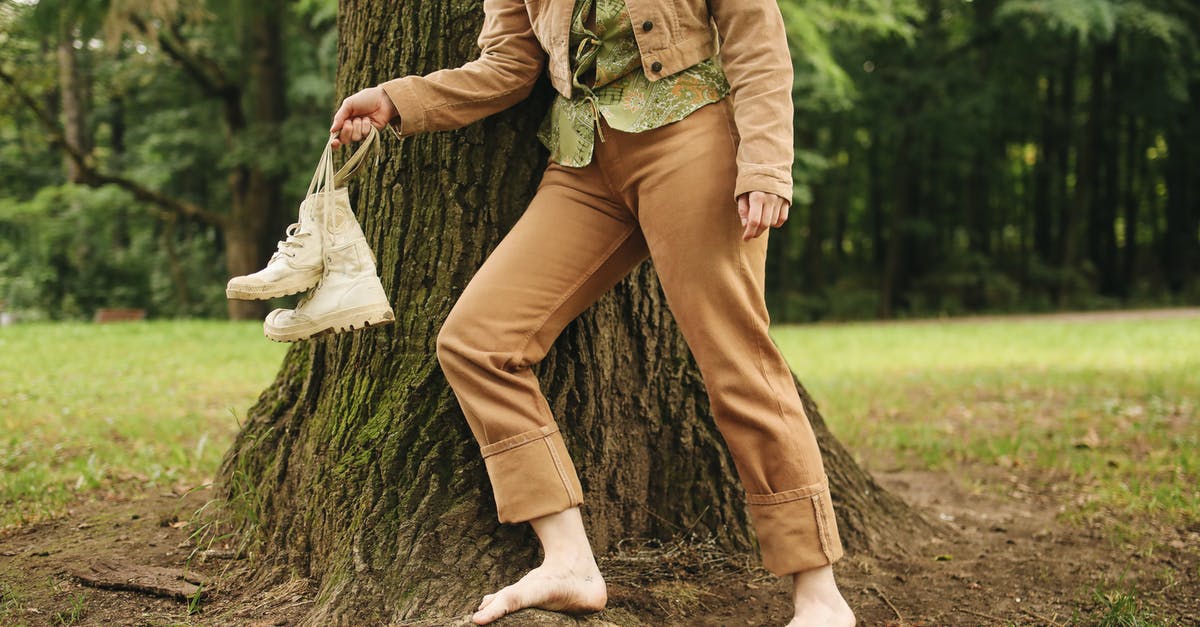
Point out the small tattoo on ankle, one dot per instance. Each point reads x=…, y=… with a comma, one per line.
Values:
x=588, y=578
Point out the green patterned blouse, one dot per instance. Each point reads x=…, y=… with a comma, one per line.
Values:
x=620, y=92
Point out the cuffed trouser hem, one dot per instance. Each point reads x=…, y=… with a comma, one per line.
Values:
x=532, y=475
x=796, y=529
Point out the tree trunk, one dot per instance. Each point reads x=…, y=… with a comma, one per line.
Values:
x=1129, y=203
x=875, y=184
x=1066, y=137
x=895, y=271
x=1102, y=212
x=356, y=468
x=1074, y=209
x=1044, y=173
x=1180, y=242
x=266, y=106
x=255, y=197
x=71, y=85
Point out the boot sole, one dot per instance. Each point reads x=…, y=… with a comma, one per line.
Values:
x=268, y=292
x=352, y=320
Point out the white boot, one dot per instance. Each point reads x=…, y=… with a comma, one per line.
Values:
x=349, y=295
x=297, y=263
x=295, y=266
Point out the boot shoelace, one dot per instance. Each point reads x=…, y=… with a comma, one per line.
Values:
x=323, y=177
x=293, y=241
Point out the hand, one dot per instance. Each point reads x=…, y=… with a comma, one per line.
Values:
x=760, y=210
x=369, y=106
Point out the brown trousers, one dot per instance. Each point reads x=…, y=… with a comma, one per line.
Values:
x=666, y=193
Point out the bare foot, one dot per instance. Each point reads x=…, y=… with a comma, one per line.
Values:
x=814, y=615
x=818, y=602
x=574, y=589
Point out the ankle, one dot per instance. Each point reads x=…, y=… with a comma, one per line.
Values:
x=572, y=559
x=564, y=541
x=814, y=584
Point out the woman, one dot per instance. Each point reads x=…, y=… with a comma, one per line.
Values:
x=662, y=145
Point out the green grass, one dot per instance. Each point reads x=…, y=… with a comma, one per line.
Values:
x=1121, y=609
x=107, y=411
x=1111, y=406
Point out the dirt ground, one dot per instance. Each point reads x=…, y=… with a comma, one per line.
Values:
x=1013, y=564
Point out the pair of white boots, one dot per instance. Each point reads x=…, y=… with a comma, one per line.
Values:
x=327, y=254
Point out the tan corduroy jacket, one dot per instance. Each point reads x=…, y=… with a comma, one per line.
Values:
x=521, y=37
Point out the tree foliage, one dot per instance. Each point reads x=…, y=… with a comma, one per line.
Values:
x=991, y=155
x=175, y=115
x=951, y=156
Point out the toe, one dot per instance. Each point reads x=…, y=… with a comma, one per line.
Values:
x=487, y=598
x=500, y=604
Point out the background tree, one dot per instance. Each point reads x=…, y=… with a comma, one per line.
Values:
x=159, y=99
x=990, y=156
x=356, y=468
x=993, y=156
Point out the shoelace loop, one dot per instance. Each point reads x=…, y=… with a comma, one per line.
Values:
x=293, y=241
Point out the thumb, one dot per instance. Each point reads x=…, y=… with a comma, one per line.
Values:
x=339, y=118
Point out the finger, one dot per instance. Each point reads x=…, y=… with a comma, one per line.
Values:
x=768, y=217
x=754, y=217
x=340, y=116
x=769, y=207
x=346, y=132
x=765, y=224
x=783, y=214
x=743, y=203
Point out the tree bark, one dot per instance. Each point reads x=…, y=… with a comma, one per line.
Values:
x=812, y=257
x=256, y=198
x=1072, y=207
x=1102, y=211
x=1045, y=172
x=71, y=86
x=1180, y=247
x=266, y=106
x=895, y=271
x=356, y=468
x=1129, y=203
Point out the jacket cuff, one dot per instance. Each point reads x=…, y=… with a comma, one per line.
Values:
x=763, y=181
x=411, y=119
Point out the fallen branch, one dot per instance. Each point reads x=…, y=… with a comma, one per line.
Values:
x=156, y=581
x=889, y=603
x=1048, y=621
x=980, y=614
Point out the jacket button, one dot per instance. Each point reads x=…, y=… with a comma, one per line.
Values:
x=656, y=67
x=647, y=25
